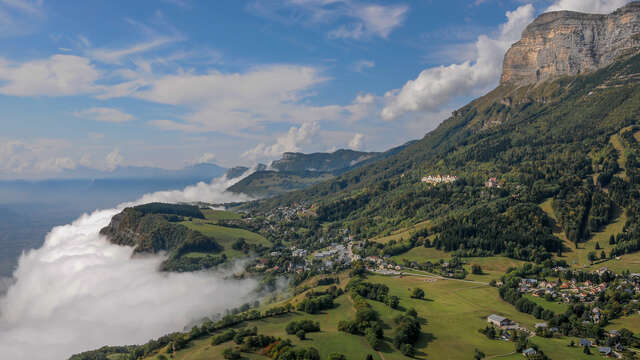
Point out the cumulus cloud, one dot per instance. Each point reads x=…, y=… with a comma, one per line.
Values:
x=364, y=19
x=229, y=102
x=114, y=159
x=436, y=87
x=289, y=142
x=588, y=6
x=356, y=141
x=80, y=292
x=28, y=158
x=59, y=75
x=104, y=114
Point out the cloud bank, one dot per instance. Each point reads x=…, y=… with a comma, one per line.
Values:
x=79, y=291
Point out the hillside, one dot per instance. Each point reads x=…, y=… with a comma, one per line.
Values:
x=549, y=140
x=194, y=238
x=296, y=171
x=524, y=204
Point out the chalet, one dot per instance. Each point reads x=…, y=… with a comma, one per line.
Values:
x=437, y=179
x=492, y=183
x=498, y=320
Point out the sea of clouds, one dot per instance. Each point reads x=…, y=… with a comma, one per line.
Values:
x=79, y=292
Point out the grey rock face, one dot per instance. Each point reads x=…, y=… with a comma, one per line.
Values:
x=570, y=43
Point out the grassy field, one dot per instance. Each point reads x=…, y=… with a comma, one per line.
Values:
x=617, y=143
x=631, y=322
x=215, y=215
x=579, y=257
x=402, y=234
x=421, y=254
x=492, y=267
x=556, y=307
x=327, y=341
x=225, y=236
x=453, y=312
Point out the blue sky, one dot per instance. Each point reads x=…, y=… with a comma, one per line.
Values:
x=176, y=82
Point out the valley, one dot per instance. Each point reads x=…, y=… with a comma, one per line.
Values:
x=511, y=230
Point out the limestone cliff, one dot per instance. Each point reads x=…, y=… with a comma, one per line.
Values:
x=570, y=43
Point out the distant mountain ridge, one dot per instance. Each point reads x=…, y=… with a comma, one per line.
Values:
x=296, y=171
x=203, y=170
x=325, y=162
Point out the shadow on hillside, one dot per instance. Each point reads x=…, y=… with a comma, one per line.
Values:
x=424, y=340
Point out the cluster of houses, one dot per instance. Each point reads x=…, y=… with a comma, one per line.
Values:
x=507, y=324
x=287, y=212
x=569, y=291
x=337, y=254
x=438, y=179
x=379, y=264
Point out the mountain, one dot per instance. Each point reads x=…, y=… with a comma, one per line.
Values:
x=567, y=139
x=295, y=171
x=322, y=162
x=203, y=170
x=538, y=179
x=571, y=43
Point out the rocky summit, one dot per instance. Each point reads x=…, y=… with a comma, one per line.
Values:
x=571, y=43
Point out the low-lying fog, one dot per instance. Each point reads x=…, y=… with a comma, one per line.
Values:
x=79, y=292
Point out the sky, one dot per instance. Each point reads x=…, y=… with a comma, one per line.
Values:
x=170, y=83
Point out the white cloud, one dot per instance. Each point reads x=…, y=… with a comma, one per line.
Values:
x=378, y=20
x=59, y=75
x=79, y=292
x=356, y=142
x=436, y=87
x=114, y=56
x=361, y=65
x=364, y=19
x=232, y=102
x=205, y=158
x=588, y=6
x=19, y=17
x=19, y=158
x=104, y=114
x=113, y=159
x=25, y=6
x=289, y=142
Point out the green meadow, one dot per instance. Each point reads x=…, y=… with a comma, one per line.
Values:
x=453, y=312
x=225, y=236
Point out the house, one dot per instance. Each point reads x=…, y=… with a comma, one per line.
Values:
x=529, y=352
x=491, y=183
x=541, y=326
x=604, y=350
x=613, y=333
x=498, y=320
x=585, y=342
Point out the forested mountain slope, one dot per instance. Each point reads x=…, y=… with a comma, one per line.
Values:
x=551, y=139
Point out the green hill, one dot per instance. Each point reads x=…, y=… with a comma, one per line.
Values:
x=296, y=171
x=195, y=238
x=551, y=140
